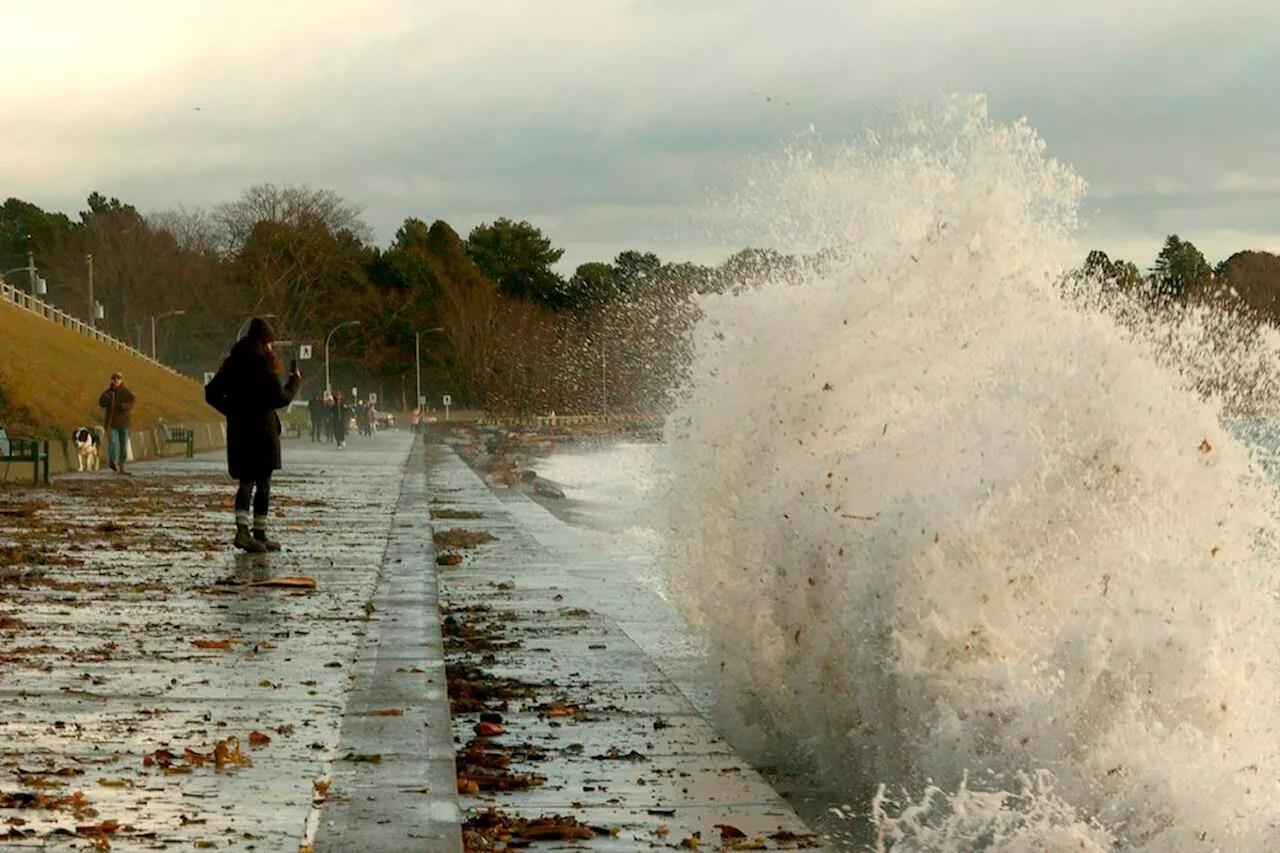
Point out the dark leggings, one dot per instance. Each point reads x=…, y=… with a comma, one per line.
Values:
x=261, y=498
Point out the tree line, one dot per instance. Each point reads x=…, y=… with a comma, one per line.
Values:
x=1247, y=283
x=1214, y=326
x=497, y=326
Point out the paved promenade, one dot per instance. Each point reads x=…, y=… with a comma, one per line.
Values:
x=591, y=675
x=162, y=691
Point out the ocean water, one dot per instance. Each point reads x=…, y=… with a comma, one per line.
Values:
x=975, y=555
x=610, y=487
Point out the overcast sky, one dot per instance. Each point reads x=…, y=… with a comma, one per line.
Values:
x=606, y=122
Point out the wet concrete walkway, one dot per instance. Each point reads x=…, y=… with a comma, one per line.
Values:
x=597, y=674
x=159, y=689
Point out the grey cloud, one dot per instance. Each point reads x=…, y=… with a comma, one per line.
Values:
x=610, y=121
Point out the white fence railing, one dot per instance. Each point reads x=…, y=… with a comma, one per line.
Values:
x=27, y=302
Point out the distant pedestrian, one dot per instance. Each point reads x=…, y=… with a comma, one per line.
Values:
x=247, y=391
x=340, y=417
x=329, y=418
x=315, y=408
x=117, y=404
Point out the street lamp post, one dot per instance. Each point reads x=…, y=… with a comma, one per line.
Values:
x=327, y=387
x=154, y=318
x=417, y=361
x=93, y=306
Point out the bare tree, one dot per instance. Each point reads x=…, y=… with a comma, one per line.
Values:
x=290, y=206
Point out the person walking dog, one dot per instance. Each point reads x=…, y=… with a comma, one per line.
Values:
x=117, y=403
x=247, y=392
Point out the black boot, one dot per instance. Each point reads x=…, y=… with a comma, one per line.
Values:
x=260, y=536
x=245, y=542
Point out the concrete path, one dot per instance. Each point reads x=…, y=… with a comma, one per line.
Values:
x=597, y=671
x=159, y=689
x=154, y=695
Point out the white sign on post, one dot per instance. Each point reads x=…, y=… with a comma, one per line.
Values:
x=448, y=401
x=422, y=400
x=208, y=377
x=355, y=395
x=373, y=399
x=304, y=352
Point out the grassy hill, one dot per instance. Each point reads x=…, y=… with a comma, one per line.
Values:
x=51, y=377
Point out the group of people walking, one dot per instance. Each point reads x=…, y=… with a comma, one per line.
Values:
x=331, y=418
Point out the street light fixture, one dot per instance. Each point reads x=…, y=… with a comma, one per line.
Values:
x=417, y=359
x=154, y=318
x=327, y=387
x=37, y=283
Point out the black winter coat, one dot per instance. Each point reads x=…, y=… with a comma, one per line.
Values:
x=247, y=392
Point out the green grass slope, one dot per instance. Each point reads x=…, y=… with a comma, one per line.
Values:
x=51, y=378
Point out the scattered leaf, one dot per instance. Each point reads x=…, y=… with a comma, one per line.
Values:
x=115, y=783
x=297, y=582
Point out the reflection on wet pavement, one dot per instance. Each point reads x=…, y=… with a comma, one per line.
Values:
x=140, y=656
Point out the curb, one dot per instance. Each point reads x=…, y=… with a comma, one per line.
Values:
x=393, y=783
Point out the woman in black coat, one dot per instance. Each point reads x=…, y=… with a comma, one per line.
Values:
x=247, y=391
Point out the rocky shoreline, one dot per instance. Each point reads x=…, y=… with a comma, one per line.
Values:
x=508, y=458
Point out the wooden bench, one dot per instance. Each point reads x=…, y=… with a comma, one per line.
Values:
x=26, y=450
x=177, y=435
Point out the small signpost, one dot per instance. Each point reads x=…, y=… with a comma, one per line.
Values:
x=304, y=352
x=373, y=399
x=422, y=401
x=448, y=401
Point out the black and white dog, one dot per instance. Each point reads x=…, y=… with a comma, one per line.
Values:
x=87, y=440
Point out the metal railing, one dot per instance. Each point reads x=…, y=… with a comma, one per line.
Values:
x=27, y=302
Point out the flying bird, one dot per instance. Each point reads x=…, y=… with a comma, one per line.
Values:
x=768, y=98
